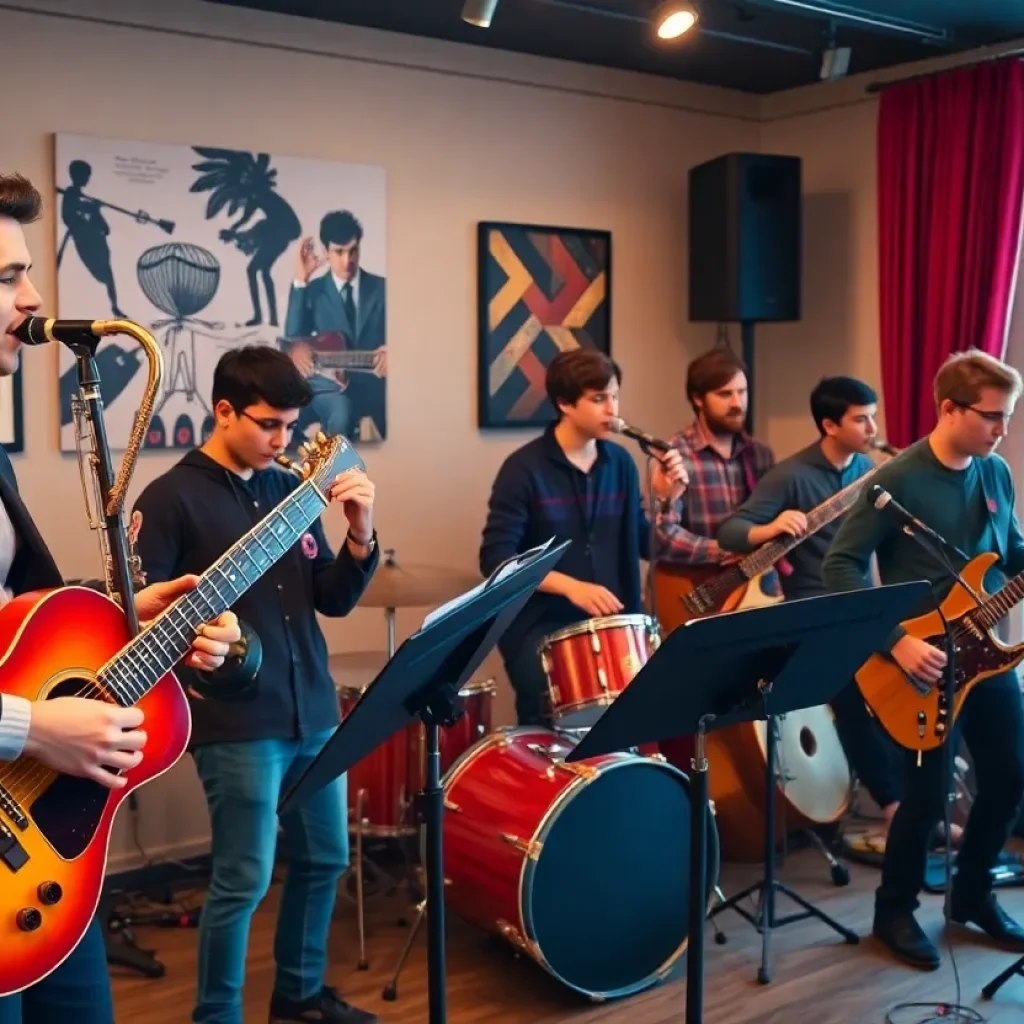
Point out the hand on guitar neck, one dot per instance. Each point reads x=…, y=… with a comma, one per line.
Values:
x=791, y=521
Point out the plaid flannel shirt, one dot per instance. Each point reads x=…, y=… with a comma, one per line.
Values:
x=717, y=486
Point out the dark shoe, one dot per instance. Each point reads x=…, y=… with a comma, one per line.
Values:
x=327, y=1006
x=902, y=936
x=995, y=922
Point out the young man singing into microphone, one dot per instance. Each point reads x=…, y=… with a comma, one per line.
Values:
x=954, y=482
x=571, y=484
x=72, y=735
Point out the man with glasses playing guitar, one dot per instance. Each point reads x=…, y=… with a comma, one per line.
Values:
x=953, y=481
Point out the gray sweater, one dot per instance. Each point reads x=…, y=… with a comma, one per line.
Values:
x=802, y=482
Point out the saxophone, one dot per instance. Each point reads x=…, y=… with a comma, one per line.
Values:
x=122, y=567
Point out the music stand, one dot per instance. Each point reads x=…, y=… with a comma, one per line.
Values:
x=740, y=667
x=422, y=680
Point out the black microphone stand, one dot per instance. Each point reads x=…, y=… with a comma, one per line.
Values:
x=936, y=550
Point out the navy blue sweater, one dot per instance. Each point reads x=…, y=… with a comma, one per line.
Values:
x=190, y=517
x=537, y=494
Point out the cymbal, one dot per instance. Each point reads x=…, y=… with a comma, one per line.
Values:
x=398, y=584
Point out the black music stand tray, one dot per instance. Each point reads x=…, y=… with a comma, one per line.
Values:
x=741, y=667
x=422, y=680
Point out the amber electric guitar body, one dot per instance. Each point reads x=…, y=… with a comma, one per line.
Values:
x=675, y=584
x=914, y=713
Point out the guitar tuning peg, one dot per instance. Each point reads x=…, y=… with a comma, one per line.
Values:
x=290, y=465
x=321, y=437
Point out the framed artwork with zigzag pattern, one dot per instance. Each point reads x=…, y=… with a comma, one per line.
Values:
x=542, y=290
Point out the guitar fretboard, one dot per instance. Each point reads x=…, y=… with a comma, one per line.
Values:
x=999, y=604
x=821, y=515
x=158, y=648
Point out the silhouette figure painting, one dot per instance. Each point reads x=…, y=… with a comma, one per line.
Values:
x=243, y=182
x=88, y=228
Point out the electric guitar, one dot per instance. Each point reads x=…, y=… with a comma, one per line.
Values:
x=915, y=713
x=685, y=592
x=330, y=353
x=72, y=641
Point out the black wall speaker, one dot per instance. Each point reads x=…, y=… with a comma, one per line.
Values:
x=745, y=238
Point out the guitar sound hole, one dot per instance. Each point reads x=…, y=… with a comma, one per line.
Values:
x=68, y=811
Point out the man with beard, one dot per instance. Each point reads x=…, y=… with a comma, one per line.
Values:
x=723, y=464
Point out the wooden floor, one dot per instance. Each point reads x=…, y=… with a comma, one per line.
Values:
x=816, y=977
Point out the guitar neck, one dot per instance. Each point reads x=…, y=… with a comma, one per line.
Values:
x=990, y=611
x=345, y=360
x=150, y=655
x=767, y=555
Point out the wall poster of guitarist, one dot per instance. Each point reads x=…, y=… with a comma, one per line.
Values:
x=335, y=333
x=803, y=498
x=953, y=481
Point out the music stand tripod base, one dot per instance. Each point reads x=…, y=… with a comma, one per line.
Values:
x=764, y=920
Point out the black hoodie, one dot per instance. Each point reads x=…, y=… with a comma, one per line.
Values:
x=190, y=517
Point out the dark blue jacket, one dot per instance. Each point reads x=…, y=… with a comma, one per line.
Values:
x=537, y=494
x=190, y=517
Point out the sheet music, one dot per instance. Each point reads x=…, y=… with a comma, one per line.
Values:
x=503, y=571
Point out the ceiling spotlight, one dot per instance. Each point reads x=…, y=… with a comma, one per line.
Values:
x=479, y=12
x=673, y=19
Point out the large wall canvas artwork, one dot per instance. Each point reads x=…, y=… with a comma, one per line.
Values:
x=542, y=290
x=210, y=249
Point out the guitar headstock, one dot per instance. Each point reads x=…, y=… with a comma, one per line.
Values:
x=323, y=458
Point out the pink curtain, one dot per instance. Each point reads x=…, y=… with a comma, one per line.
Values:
x=950, y=195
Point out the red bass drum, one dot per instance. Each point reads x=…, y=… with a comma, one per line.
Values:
x=584, y=867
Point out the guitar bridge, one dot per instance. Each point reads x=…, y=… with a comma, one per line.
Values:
x=12, y=809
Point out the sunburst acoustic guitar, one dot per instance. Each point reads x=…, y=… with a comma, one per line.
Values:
x=55, y=829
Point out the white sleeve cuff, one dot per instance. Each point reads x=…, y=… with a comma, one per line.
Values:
x=15, y=719
x=298, y=284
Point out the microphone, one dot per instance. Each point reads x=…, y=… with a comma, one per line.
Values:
x=39, y=330
x=881, y=499
x=620, y=426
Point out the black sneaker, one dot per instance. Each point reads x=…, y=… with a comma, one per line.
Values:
x=326, y=1006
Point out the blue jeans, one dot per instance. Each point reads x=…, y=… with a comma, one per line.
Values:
x=78, y=990
x=243, y=783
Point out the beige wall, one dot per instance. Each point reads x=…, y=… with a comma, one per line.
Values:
x=465, y=134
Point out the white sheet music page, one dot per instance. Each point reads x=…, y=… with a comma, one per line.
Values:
x=509, y=566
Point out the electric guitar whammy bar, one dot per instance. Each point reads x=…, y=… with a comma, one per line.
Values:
x=54, y=828
x=915, y=713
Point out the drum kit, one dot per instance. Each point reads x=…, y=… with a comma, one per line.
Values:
x=584, y=866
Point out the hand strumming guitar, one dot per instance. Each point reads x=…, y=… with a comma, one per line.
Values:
x=85, y=737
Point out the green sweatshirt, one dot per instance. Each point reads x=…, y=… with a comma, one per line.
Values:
x=972, y=508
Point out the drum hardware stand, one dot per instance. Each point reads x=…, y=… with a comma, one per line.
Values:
x=764, y=920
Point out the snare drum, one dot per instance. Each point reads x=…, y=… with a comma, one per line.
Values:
x=381, y=785
x=583, y=867
x=590, y=663
x=384, y=782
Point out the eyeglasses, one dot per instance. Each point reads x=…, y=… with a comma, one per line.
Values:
x=988, y=415
x=271, y=426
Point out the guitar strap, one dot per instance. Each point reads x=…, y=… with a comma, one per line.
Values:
x=990, y=492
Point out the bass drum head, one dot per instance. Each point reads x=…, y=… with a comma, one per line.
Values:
x=607, y=899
